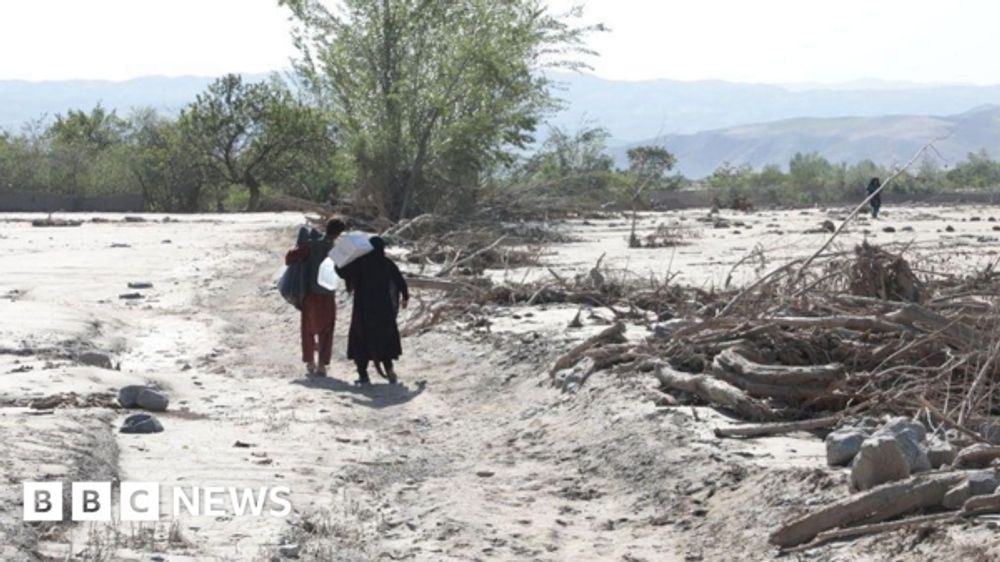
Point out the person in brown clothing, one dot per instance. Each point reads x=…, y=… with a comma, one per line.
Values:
x=319, y=306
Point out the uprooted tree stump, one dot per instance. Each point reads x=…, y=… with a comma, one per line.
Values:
x=878, y=274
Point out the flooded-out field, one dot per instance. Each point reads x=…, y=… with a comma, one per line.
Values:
x=473, y=457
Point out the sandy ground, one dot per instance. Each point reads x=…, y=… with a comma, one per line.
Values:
x=473, y=457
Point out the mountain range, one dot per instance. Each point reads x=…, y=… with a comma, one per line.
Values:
x=704, y=122
x=886, y=140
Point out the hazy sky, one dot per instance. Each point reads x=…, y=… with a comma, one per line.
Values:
x=742, y=40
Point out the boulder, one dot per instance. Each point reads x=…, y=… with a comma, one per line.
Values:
x=880, y=460
x=911, y=436
x=978, y=483
x=95, y=359
x=967, y=457
x=144, y=397
x=941, y=452
x=991, y=432
x=152, y=400
x=905, y=426
x=141, y=423
x=843, y=444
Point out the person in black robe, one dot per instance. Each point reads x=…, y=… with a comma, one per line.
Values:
x=876, y=202
x=379, y=291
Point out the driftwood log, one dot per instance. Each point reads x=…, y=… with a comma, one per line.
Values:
x=765, y=429
x=612, y=334
x=788, y=383
x=981, y=505
x=862, y=530
x=715, y=391
x=876, y=505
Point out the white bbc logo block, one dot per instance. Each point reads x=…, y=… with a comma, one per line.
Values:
x=139, y=501
x=92, y=501
x=43, y=501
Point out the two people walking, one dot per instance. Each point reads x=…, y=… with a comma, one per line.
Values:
x=379, y=291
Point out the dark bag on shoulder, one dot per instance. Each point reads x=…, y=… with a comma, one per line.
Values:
x=293, y=284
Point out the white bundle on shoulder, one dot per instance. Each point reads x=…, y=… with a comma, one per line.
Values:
x=349, y=247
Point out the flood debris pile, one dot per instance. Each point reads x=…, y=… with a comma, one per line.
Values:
x=900, y=368
x=904, y=372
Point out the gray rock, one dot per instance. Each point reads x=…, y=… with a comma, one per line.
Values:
x=880, y=460
x=911, y=436
x=978, y=483
x=842, y=445
x=95, y=359
x=963, y=461
x=127, y=395
x=905, y=426
x=152, y=400
x=289, y=551
x=138, y=396
x=941, y=452
x=991, y=432
x=955, y=497
x=141, y=423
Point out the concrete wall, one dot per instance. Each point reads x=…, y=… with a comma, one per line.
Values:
x=41, y=202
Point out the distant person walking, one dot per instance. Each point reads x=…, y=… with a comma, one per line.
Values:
x=876, y=201
x=319, y=306
x=379, y=291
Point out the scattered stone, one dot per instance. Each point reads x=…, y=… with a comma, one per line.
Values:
x=242, y=445
x=907, y=229
x=167, y=242
x=828, y=226
x=990, y=432
x=134, y=219
x=140, y=285
x=144, y=397
x=843, y=444
x=992, y=219
x=485, y=473
x=51, y=222
x=949, y=228
x=120, y=245
x=889, y=230
x=941, y=452
x=905, y=426
x=911, y=436
x=289, y=551
x=141, y=423
x=975, y=219
x=95, y=359
x=968, y=459
x=978, y=483
x=131, y=296
x=880, y=460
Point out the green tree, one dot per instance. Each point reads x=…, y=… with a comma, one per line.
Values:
x=575, y=165
x=171, y=175
x=810, y=175
x=430, y=94
x=647, y=168
x=85, y=152
x=254, y=134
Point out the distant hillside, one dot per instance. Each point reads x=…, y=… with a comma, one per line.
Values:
x=633, y=111
x=885, y=140
x=21, y=102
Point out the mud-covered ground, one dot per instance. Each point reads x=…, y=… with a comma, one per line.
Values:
x=474, y=457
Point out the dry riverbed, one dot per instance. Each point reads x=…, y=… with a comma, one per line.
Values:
x=474, y=457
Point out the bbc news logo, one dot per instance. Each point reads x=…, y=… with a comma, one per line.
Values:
x=140, y=501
